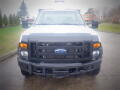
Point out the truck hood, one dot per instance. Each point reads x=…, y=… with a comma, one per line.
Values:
x=59, y=33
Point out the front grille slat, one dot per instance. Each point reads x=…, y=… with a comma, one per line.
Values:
x=46, y=50
x=33, y=50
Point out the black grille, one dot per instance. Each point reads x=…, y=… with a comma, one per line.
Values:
x=46, y=50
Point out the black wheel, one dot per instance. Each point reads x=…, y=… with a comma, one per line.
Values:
x=94, y=72
x=26, y=74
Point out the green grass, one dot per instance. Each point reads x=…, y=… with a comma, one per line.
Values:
x=9, y=38
x=107, y=27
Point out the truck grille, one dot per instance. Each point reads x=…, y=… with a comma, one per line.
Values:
x=45, y=51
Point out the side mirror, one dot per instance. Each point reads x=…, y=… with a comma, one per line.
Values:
x=25, y=24
x=95, y=24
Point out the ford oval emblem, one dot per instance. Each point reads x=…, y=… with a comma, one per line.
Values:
x=60, y=51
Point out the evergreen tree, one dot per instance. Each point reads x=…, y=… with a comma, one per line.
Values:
x=14, y=19
x=11, y=22
x=0, y=18
x=22, y=13
x=17, y=20
x=5, y=20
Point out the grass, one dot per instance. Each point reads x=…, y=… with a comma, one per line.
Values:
x=9, y=38
x=107, y=27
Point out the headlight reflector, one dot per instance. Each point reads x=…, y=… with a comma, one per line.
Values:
x=95, y=54
x=24, y=53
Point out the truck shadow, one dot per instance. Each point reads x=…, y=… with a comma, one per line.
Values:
x=70, y=83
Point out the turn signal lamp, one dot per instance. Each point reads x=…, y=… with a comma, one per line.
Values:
x=96, y=45
x=23, y=45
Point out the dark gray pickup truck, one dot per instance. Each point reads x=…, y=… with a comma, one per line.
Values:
x=59, y=44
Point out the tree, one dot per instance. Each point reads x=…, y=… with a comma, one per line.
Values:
x=11, y=21
x=17, y=20
x=0, y=19
x=115, y=14
x=22, y=13
x=5, y=20
x=14, y=19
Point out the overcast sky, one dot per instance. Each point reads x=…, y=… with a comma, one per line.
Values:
x=12, y=6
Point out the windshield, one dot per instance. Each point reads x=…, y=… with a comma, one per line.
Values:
x=59, y=18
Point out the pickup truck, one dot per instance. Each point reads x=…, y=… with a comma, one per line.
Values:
x=59, y=44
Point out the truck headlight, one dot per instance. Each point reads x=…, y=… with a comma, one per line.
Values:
x=24, y=53
x=95, y=54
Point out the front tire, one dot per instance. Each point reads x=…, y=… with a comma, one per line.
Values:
x=24, y=73
x=94, y=72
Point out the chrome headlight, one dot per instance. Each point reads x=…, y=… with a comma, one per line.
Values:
x=95, y=54
x=24, y=53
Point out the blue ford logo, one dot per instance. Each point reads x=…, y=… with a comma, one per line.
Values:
x=60, y=51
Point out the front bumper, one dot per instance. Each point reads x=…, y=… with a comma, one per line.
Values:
x=58, y=70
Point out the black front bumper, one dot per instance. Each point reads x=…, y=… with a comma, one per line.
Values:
x=58, y=70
